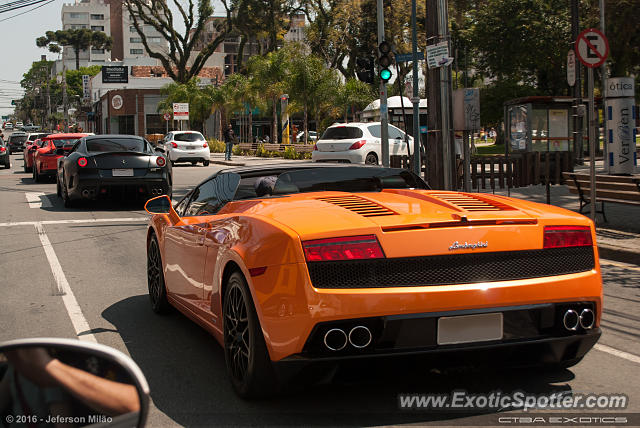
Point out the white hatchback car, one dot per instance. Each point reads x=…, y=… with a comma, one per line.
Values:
x=357, y=142
x=186, y=146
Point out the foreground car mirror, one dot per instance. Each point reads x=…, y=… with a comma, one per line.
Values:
x=158, y=205
x=65, y=381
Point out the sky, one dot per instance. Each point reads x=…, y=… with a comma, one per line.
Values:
x=19, y=48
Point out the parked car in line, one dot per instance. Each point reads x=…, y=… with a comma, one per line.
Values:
x=103, y=165
x=296, y=265
x=313, y=136
x=16, y=141
x=54, y=146
x=5, y=158
x=186, y=146
x=30, y=128
x=357, y=142
x=29, y=152
x=8, y=126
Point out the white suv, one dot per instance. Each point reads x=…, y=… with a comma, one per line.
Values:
x=186, y=146
x=357, y=142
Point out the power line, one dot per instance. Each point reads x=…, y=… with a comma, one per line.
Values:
x=19, y=5
x=27, y=11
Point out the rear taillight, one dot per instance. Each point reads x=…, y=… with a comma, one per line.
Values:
x=315, y=147
x=205, y=145
x=567, y=236
x=357, y=144
x=160, y=161
x=2, y=149
x=82, y=162
x=346, y=248
x=174, y=145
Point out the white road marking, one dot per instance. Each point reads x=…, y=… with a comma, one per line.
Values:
x=74, y=221
x=617, y=353
x=618, y=264
x=63, y=289
x=38, y=200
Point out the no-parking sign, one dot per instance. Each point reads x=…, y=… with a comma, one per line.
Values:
x=592, y=48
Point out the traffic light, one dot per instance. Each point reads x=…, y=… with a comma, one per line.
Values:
x=385, y=59
x=365, y=69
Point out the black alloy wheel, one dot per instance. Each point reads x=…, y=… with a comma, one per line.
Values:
x=245, y=351
x=371, y=159
x=155, y=279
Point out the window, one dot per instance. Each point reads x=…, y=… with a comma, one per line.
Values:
x=76, y=15
x=135, y=39
x=154, y=39
x=97, y=51
x=136, y=51
x=213, y=194
x=189, y=137
x=132, y=29
x=395, y=133
x=342, y=133
x=97, y=16
x=97, y=27
x=374, y=130
x=117, y=145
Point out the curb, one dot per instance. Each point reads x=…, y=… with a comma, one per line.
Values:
x=610, y=252
x=228, y=163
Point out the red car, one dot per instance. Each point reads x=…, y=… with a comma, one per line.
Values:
x=29, y=152
x=45, y=159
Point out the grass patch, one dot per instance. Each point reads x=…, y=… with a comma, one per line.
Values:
x=491, y=150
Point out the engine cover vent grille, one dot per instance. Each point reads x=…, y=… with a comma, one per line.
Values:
x=362, y=206
x=470, y=202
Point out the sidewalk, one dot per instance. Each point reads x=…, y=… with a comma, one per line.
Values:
x=618, y=239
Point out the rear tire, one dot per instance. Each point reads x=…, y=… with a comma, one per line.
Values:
x=205, y=163
x=371, y=159
x=247, y=358
x=68, y=203
x=194, y=163
x=155, y=279
x=36, y=177
x=7, y=165
x=58, y=191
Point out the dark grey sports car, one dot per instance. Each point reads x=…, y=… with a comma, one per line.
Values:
x=104, y=165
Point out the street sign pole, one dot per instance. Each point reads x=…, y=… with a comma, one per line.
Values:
x=592, y=147
x=384, y=118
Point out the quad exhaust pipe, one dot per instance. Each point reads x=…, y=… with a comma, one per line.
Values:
x=86, y=193
x=337, y=339
x=156, y=192
x=571, y=319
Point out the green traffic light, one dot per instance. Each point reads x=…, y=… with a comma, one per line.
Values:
x=385, y=74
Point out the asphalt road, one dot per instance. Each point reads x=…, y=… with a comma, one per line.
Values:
x=103, y=259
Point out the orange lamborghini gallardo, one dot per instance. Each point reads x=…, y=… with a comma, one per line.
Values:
x=293, y=265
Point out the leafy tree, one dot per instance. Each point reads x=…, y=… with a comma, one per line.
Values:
x=78, y=39
x=354, y=95
x=177, y=58
x=200, y=103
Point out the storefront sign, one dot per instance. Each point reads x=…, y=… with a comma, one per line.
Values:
x=115, y=74
x=117, y=102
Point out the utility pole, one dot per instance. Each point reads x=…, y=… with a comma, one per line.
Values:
x=384, y=111
x=416, y=95
x=440, y=168
x=577, y=88
x=603, y=70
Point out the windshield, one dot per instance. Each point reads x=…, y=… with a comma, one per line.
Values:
x=342, y=133
x=62, y=143
x=191, y=136
x=347, y=179
x=117, y=145
x=18, y=138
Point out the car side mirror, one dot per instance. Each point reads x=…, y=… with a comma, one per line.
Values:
x=93, y=384
x=60, y=152
x=158, y=205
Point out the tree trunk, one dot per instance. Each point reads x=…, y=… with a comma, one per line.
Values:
x=76, y=49
x=250, y=125
x=306, y=127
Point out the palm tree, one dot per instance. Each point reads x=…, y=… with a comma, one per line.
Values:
x=78, y=39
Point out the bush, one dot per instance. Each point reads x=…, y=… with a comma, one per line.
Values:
x=260, y=151
x=236, y=150
x=216, y=146
x=290, y=153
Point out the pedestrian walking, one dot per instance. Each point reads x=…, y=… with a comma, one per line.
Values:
x=229, y=141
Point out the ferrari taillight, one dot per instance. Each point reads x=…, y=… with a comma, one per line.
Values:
x=346, y=248
x=3, y=149
x=82, y=162
x=160, y=161
x=567, y=236
x=358, y=144
x=174, y=145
